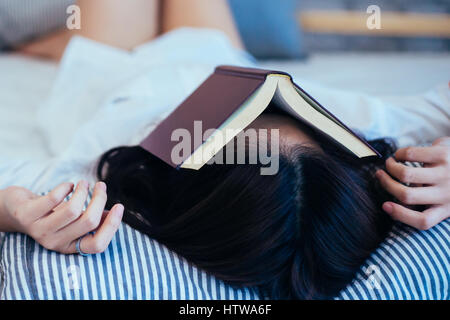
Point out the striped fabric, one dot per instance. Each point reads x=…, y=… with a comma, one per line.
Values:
x=410, y=264
x=133, y=267
x=22, y=20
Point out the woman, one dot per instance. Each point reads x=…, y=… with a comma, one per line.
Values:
x=300, y=234
x=304, y=238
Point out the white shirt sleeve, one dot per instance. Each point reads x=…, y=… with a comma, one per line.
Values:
x=411, y=120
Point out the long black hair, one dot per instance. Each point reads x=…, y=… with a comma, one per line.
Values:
x=300, y=234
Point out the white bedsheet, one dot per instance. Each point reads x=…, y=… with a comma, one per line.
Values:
x=104, y=97
x=374, y=73
x=24, y=84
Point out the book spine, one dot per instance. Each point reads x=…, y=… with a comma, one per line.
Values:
x=251, y=73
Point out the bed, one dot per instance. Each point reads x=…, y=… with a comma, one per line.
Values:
x=409, y=265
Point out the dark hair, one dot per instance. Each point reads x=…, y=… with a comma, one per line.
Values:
x=300, y=234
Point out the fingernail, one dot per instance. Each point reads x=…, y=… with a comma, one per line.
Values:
x=388, y=207
x=119, y=210
x=63, y=189
x=378, y=174
x=101, y=185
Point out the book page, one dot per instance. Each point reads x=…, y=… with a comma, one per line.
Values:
x=292, y=101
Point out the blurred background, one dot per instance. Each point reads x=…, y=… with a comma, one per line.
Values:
x=323, y=40
x=337, y=49
x=309, y=26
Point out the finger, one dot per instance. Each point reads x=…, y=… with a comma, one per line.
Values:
x=408, y=174
x=70, y=211
x=91, y=218
x=98, y=202
x=96, y=208
x=78, y=199
x=444, y=141
x=102, y=220
x=409, y=195
x=434, y=154
x=41, y=206
x=419, y=220
x=98, y=242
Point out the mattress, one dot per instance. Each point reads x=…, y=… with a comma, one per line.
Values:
x=372, y=73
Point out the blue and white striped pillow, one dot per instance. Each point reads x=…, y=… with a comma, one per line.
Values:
x=410, y=264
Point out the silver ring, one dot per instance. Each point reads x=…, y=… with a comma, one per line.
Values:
x=77, y=246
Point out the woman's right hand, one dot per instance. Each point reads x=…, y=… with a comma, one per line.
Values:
x=57, y=225
x=430, y=185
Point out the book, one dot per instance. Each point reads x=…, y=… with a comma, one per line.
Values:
x=231, y=99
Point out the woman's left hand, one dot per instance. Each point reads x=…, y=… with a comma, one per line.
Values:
x=430, y=185
x=57, y=224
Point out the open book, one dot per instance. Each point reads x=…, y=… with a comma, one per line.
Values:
x=230, y=100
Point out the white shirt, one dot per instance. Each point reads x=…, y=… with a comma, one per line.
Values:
x=105, y=97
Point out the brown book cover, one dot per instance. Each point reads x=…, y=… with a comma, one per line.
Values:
x=213, y=102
